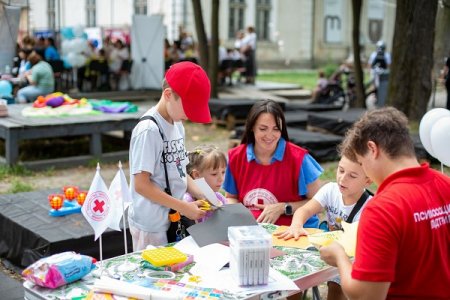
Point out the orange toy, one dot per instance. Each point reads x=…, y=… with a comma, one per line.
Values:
x=81, y=197
x=70, y=192
x=56, y=201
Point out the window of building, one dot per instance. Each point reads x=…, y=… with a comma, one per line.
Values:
x=263, y=8
x=236, y=17
x=140, y=7
x=90, y=13
x=51, y=12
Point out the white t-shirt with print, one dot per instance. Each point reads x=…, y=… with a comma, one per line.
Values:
x=146, y=150
x=330, y=198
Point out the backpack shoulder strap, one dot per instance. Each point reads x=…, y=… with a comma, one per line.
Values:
x=358, y=205
x=167, y=189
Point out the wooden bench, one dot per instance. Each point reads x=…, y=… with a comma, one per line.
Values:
x=16, y=128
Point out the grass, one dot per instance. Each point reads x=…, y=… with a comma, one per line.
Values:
x=6, y=171
x=305, y=78
x=18, y=186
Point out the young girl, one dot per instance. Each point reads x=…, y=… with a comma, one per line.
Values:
x=339, y=199
x=208, y=162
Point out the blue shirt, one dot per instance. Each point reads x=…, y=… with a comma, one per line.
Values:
x=310, y=169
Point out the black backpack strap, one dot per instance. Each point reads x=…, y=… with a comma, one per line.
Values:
x=167, y=189
x=358, y=205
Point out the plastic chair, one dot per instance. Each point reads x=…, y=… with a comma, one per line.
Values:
x=99, y=75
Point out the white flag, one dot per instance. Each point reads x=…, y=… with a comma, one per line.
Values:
x=97, y=208
x=120, y=196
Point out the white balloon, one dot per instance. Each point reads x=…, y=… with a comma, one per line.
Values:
x=78, y=45
x=440, y=140
x=78, y=31
x=426, y=124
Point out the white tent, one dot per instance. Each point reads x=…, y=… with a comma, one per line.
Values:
x=147, y=52
x=9, y=28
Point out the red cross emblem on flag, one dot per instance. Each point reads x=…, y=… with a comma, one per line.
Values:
x=98, y=206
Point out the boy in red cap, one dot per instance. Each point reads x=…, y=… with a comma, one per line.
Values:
x=157, y=143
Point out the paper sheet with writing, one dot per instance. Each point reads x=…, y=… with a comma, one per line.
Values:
x=301, y=243
x=207, y=191
x=346, y=238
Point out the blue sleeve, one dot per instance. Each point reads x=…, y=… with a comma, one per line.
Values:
x=229, y=184
x=310, y=170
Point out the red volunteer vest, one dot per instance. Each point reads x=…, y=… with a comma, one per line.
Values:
x=277, y=182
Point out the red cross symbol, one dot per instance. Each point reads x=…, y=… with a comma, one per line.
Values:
x=98, y=205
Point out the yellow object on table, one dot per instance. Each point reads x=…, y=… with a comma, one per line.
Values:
x=346, y=238
x=163, y=256
x=301, y=243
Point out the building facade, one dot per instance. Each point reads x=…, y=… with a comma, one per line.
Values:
x=290, y=32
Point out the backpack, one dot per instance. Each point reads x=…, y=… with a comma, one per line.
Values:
x=379, y=61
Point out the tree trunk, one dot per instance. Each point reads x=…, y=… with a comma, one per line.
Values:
x=442, y=37
x=359, y=77
x=214, y=50
x=201, y=34
x=412, y=57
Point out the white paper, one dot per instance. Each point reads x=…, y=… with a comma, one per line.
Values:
x=208, y=192
x=187, y=245
x=210, y=259
x=224, y=281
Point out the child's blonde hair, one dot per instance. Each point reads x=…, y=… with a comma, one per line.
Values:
x=205, y=157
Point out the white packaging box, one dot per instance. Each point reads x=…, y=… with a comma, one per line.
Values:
x=249, y=254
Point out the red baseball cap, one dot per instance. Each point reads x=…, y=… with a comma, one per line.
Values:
x=192, y=84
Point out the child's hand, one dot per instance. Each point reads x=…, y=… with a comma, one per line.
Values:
x=193, y=211
x=292, y=232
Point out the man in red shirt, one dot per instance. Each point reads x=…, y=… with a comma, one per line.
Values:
x=403, y=248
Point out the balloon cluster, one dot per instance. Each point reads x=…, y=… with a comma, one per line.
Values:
x=73, y=45
x=6, y=88
x=434, y=132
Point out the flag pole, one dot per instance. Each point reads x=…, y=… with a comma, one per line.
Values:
x=101, y=255
x=127, y=266
x=123, y=221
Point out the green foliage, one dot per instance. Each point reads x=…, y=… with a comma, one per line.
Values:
x=17, y=170
x=18, y=186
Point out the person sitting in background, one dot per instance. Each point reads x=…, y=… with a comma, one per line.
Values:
x=40, y=78
x=39, y=47
x=271, y=176
x=322, y=83
x=118, y=54
x=51, y=53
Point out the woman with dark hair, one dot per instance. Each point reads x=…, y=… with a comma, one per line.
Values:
x=267, y=173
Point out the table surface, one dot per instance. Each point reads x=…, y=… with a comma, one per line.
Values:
x=15, y=119
x=16, y=127
x=304, y=267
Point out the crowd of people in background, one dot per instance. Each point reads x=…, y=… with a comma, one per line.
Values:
x=38, y=60
x=105, y=65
